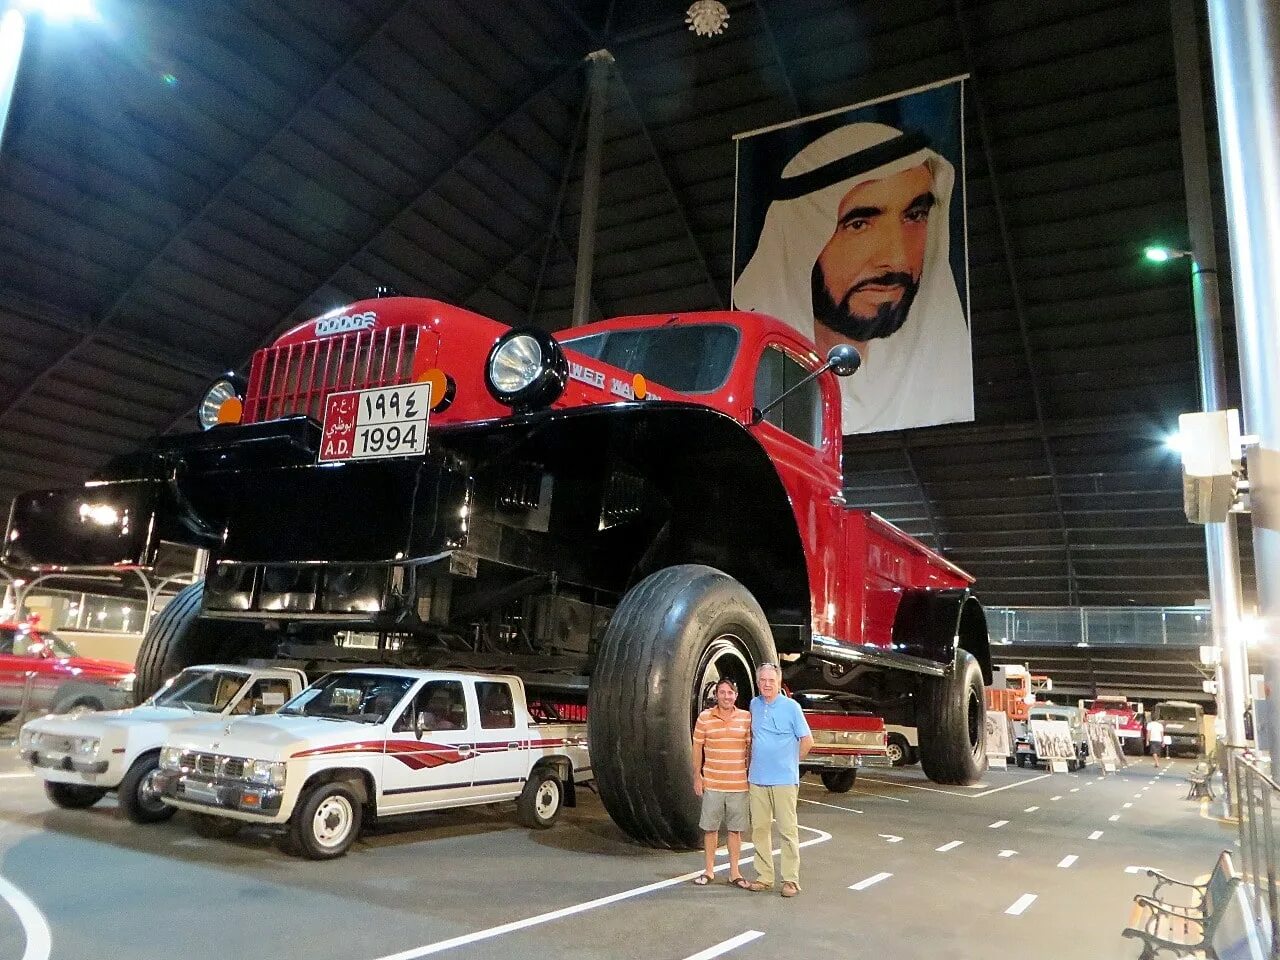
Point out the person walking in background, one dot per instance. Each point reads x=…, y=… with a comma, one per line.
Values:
x=721, y=746
x=1155, y=739
x=780, y=738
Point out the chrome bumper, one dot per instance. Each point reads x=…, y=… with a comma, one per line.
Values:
x=62, y=761
x=250, y=798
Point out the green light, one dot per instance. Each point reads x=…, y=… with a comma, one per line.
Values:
x=169, y=79
x=1159, y=254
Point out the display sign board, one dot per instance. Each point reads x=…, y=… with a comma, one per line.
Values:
x=1053, y=740
x=999, y=743
x=377, y=423
x=1104, y=744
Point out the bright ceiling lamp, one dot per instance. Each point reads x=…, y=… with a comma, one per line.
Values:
x=61, y=10
x=707, y=18
x=1157, y=254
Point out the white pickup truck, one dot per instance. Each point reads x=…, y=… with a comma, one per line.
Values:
x=82, y=757
x=374, y=742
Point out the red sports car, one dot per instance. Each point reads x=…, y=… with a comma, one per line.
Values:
x=41, y=673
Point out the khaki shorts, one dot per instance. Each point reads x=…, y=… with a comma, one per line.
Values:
x=723, y=810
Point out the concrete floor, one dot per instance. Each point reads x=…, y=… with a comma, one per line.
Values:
x=940, y=870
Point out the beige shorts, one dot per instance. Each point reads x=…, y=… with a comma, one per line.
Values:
x=724, y=811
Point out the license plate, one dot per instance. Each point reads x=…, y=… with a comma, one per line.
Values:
x=199, y=791
x=377, y=423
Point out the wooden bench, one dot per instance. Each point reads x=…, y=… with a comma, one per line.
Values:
x=1200, y=781
x=1184, y=930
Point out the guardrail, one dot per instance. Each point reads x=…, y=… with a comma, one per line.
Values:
x=1254, y=796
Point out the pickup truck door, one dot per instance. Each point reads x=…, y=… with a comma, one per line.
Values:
x=502, y=748
x=433, y=764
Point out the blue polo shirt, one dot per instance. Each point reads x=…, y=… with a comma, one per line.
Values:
x=776, y=731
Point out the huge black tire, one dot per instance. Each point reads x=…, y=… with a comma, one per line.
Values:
x=952, y=726
x=72, y=796
x=839, y=781
x=178, y=638
x=77, y=698
x=899, y=750
x=138, y=799
x=672, y=637
x=541, y=800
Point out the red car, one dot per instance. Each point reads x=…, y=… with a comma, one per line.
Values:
x=41, y=668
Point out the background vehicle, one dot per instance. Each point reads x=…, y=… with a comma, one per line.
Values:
x=81, y=758
x=42, y=673
x=374, y=742
x=563, y=497
x=843, y=741
x=1024, y=745
x=901, y=743
x=1183, y=724
x=1128, y=718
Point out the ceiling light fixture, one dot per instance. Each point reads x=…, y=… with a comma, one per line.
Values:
x=707, y=18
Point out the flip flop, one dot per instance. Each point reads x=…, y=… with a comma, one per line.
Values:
x=702, y=880
x=742, y=883
x=755, y=886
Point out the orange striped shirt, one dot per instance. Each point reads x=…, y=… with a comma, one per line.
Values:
x=725, y=749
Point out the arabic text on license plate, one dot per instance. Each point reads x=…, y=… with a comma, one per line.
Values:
x=376, y=423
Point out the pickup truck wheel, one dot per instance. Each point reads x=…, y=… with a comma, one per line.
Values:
x=213, y=827
x=674, y=634
x=897, y=750
x=839, y=781
x=952, y=723
x=72, y=796
x=541, y=801
x=326, y=822
x=138, y=797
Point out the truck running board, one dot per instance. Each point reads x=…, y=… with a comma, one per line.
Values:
x=825, y=648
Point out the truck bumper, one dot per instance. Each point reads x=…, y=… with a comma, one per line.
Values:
x=252, y=802
x=59, y=761
x=844, y=761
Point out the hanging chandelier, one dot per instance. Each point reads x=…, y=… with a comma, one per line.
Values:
x=707, y=18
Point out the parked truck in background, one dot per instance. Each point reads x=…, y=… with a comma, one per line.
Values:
x=1183, y=722
x=1127, y=716
x=622, y=512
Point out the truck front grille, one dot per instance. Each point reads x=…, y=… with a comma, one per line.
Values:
x=295, y=378
x=215, y=766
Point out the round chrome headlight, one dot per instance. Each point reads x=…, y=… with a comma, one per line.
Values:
x=526, y=369
x=223, y=402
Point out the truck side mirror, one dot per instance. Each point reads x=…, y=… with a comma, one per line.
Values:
x=419, y=724
x=843, y=360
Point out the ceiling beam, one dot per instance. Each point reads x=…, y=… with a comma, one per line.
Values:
x=771, y=38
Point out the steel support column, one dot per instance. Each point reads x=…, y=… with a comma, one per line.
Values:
x=598, y=85
x=1221, y=547
x=1245, y=40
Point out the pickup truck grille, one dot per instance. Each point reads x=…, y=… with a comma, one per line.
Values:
x=295, y=378
x=215, y=766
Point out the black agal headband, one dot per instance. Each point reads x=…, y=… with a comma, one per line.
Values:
x=854, y=165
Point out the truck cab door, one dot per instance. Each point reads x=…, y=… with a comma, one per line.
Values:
x=502, y=750
x=430, y=750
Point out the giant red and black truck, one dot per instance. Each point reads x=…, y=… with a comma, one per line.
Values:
x=603, y=510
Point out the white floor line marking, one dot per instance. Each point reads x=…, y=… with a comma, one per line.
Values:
x=948, y=846
x=15, y=776
x=1021, y=904
x=34, y=925
x=720, y=949
x=833, y=806
x=952, y=793
x=1008, y=853
x=1066, y=862
x=1137, y=796
x=1137, y=869
x=1127, y=806
x=489, y=933
x=889, y=838
x=863, y=884
x=1114, y=817
x=998, y=824
x=1089, y=784
x=1058, y=797
x=1095, y=835
x=1031, y=810
x=1075, y=789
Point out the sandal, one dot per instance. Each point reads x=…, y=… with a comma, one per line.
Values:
x=702, y=879
x=755, y=886
x=742, y=883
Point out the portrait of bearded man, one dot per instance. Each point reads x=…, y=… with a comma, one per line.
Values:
x=855, y=248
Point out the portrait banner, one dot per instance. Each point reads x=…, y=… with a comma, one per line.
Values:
x=850, y=227
x=998, y=739
x=1053, y=740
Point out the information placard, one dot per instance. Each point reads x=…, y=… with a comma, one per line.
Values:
x=377, y=423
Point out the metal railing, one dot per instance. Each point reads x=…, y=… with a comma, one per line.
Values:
x=1253, y=795
x=1101, y=626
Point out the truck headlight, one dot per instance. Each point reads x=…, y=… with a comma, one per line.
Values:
x=223, y=402
x=87, y=746
x=526, y=369
x=268, y=771
x=171, y=758
x=28, y=739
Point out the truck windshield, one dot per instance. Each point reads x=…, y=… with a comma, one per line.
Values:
x=695, y=358
x=359, y=697
x=1165, y=711
x=208, y=691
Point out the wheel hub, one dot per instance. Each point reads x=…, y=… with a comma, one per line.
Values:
x=332, y=821
x=546, y=800
x=725, y=657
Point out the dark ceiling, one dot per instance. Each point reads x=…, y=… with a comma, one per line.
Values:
x=181, y=181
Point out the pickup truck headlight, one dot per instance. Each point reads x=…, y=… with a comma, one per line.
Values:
x=87, y=746
x=526, y=369
x=171, y=758
x=223, y=402
x=268, y=771
x=28, y=739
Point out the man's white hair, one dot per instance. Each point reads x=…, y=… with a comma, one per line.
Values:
x=768, y=666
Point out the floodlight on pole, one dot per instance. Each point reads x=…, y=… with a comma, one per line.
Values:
x=1159, y=254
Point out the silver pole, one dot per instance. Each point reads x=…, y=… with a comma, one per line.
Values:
x=599, y=88
x=13, y=29
x=1221, y=547
x=1245, y=40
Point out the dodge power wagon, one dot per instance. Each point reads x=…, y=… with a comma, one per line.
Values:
x=81, y=758
x=382, y=741
x=622, y=512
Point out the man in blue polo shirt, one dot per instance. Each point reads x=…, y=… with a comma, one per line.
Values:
x=780, y=738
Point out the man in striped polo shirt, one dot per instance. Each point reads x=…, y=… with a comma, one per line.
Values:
x=721, y=750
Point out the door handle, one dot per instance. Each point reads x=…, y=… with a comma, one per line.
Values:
x=513, y=745
x=464, y=748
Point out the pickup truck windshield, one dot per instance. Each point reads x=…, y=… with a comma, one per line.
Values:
x=23, y=643
x=695, y=358
x=208, y=691
x=359, y=697
x=1166, y=712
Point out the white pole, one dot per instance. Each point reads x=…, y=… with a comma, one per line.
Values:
x=13, y=28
